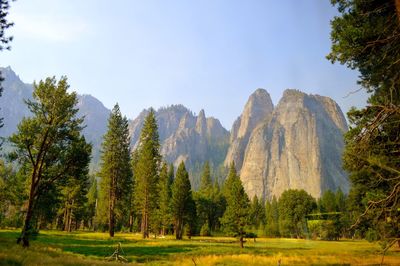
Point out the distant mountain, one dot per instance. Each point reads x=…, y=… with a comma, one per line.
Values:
x=96, y=116
x=12, y=105
x=186, y=137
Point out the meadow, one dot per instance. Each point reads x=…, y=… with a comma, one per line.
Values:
x=89, y=248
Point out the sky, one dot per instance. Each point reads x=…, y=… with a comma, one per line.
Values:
x=209, y=54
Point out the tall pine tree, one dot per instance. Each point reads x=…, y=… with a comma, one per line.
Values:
x=182, y=201
x=165, y=199
x=116, y=174
x=237, y=213
x=147, y=173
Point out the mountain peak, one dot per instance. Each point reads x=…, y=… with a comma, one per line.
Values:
x=9, y=75
x=258, y=107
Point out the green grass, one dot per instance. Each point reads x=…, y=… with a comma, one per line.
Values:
x=88, y=248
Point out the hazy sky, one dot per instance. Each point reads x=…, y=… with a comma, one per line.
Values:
x=209, y=54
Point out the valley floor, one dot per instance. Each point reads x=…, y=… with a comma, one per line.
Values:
x=89, y=248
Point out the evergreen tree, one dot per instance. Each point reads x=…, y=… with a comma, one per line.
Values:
x=74, y=191
x=116, y=174
x=219, y=205
x=147, y=173
x=182, y=201
x=365, y=37
x=232, y=175
x=203, y=198
x=133, y=214
x=48, y=144
x=205, y=181
x=165, y=199
x=272, y=218
x=236, y=215
x=328, y=202
x=91, y=205
x=12, y=195
x=257, y=213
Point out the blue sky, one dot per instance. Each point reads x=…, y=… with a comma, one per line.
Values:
x=209, y=54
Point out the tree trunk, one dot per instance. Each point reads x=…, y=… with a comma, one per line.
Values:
x=111, y=218
x=241, y=241
x=131, y=222
x=163, y=230
x=111, y=215
x=145, y=217
x=144, y=225
x=70, y=218
x=24, y=237
x=178, y=229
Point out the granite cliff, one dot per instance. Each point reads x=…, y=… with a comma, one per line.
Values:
x=257, y=109
x=298, y=147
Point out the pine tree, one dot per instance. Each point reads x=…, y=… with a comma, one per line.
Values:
x=147, y=173
x=48, y=144
x=257, y=213
x=203, y=198
x=91, y=205
x=232, y=175
x=182, y=201
x=116, y=174
x=236, y=216
x=272, y=218
x=165, y=199
x=205, y=181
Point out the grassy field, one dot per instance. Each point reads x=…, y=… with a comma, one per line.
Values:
x=87, y=248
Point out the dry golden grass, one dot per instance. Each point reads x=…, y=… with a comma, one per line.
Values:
x=247, y=259
x=88, y=248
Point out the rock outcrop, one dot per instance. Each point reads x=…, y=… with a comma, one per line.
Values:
x=257, y=109
x=298, y=147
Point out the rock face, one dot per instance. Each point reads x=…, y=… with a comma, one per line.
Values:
x=298, y=147
x=186, y=137
x=13, y=108
x=258, y=108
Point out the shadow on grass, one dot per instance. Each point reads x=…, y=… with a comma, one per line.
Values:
x=9, y=262
x=139, y=254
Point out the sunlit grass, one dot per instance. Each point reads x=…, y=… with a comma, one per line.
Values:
x=92, y=248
